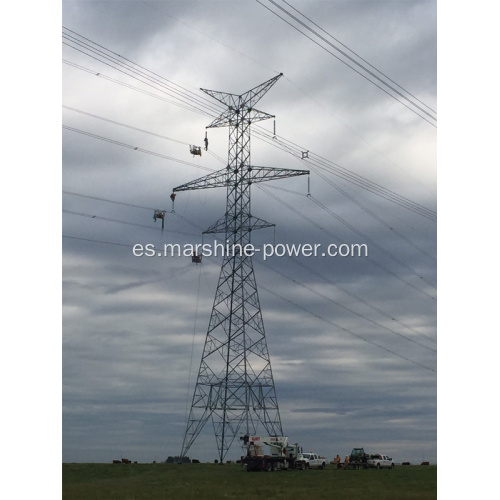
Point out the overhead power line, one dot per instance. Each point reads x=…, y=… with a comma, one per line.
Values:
x=294, y=304
x=295, y=150
x=136, y=89
x=316, y=201
x=211, y=170
x=360, y=299
x=313, y=161
x=124, y=65
x=105, y=199
x=345, y=174
x=346, y=330
x=97, y=241
x=137, y=206
x=295, y=261
x=91, y=216
x=383, y=85
x=355, y=313
x=310, y=163
x=135, y=148
x=373, y=243
x=199, y=105
x=114, y=122
x=329, y=233
x=375, y=216
x=358, y=56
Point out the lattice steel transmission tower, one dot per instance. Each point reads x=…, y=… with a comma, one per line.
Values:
x=235, y=385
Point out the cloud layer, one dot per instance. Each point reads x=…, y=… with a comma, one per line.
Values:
x=352, y=340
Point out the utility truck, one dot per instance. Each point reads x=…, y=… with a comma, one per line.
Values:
x=359, y=459
x=269, y=453
x=310, y=461
x=381, y=462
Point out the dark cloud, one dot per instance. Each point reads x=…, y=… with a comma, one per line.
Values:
x=351, y=339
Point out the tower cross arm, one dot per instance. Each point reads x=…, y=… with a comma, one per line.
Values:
x=222, y=178
x=213, y=180
x=248, y=100
x=228, y=119
x=229, y=100
x=261, y=174
x=253, y=96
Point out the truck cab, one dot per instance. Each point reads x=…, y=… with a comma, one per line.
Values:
x=381, y=462
x=309, y=461
x=269, y=453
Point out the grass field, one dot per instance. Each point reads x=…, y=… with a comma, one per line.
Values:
x=231, y=481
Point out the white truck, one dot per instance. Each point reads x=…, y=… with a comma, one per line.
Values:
x=274, y=453
x=269, y=453
x=309, y=461
x=380, y=462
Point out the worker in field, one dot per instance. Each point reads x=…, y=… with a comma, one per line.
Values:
x=346, y=459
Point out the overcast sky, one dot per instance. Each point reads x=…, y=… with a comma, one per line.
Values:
x=352, y=340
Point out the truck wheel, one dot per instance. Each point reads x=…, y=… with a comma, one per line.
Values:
x=378, y=466
x=269, y=467
x=303, y=467
x=392, y=466
x=323, y=465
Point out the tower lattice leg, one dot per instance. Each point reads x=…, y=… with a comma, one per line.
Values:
x=235, y=386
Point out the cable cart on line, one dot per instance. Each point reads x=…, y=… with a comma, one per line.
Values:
x=195, y=258
x=195, y=150
x=160, y=214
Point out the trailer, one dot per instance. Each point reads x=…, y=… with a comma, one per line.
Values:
x=269, y=453
x=359, y=459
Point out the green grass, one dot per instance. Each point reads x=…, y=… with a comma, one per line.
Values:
x=231, y=481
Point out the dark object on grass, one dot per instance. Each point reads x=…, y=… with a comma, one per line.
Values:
x=176, y=459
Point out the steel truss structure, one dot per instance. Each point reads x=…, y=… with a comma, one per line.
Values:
x=235, y=385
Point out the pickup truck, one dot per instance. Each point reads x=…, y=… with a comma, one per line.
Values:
x=380, y=462
x=310, y=460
